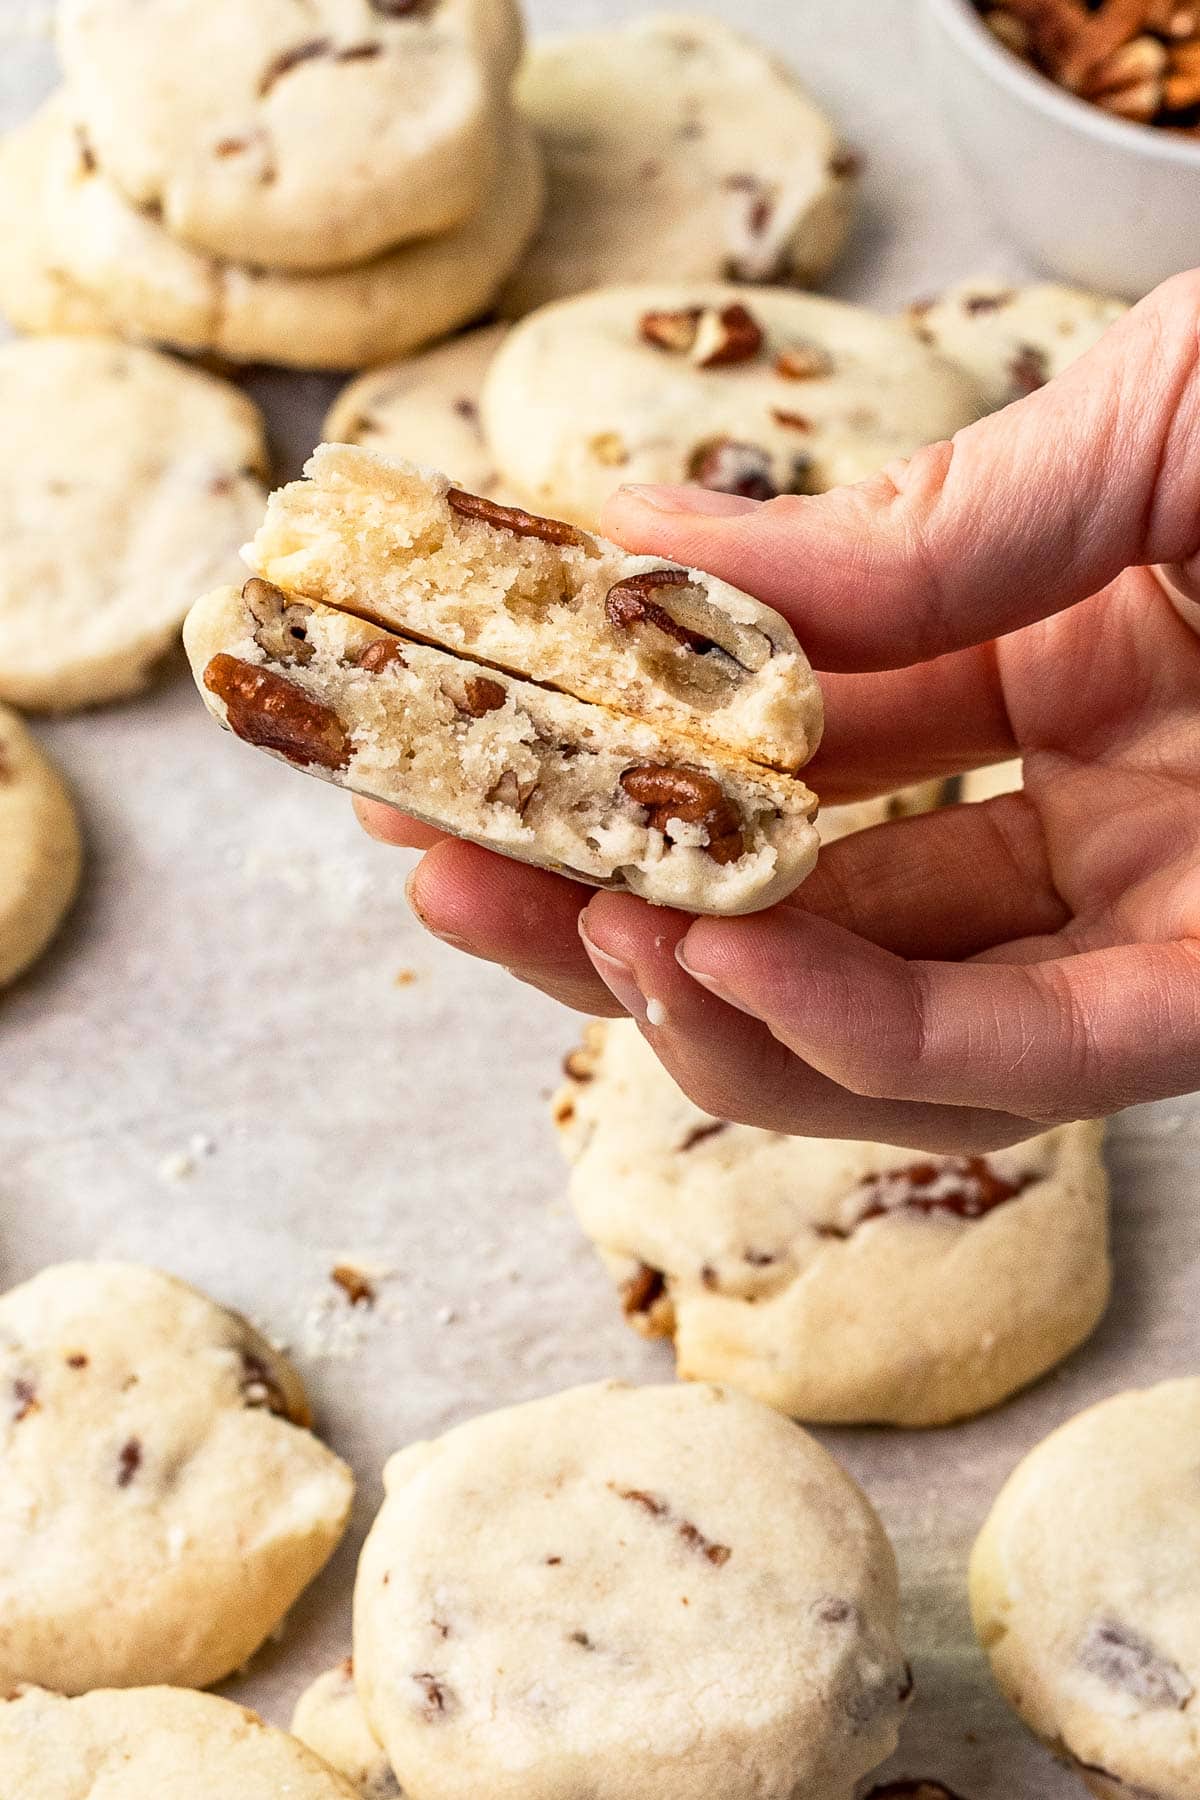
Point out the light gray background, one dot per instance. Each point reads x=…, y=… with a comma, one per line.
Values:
x=226, y=995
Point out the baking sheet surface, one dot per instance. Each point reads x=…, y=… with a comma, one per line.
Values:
x=244, y=1060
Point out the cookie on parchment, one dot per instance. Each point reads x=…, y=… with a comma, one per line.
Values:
x=76, y=256
x=149, y=1743
x=304, y=137
x=1085, y=1589
x=1012, y=340
x=841, y=1282
x=675, y=146
x=329, y=1718
x=41, y=852
x=129, y=480
x=162, y=1500
x=425, y=409
x=637, y=1593
x=755, y=391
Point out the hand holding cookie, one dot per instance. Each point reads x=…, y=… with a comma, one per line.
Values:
x=959, y=980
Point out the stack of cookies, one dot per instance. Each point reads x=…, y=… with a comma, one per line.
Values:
x=320, y=187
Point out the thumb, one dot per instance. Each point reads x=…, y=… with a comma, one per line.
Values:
x=1022, y=515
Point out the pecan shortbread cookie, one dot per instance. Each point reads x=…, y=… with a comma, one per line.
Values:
x=76, y=256
x=674, y=143
x=753, y=391
x=633, y=1593
x=130, y=479
x=841, y=1282
x=162, y=1500
x=329, y=1718
x=1085, y=1589
x=505, y=762
x=41, y=852
x=149, y=1743
x=293, y=137
x=1012, y=340
x=678, y=648
x=425, y=409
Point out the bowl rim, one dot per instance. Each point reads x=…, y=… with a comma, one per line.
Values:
x=965, y=25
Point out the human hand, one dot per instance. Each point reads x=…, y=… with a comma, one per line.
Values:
x=963, y=979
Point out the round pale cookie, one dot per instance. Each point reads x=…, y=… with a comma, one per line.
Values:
x=41, y=852
x=76, y=256
x=130, y=481
x=1085, y=1589
x=633, y=1593
x=676, y=147
x=425, y=410
x=152, y=1743
x=988, y=784
x=329, y=1718
x=162, y=1502
x=844, y=1283
x=1012, y=340
x=293, y=137
x=756, y=391
x=834, y=822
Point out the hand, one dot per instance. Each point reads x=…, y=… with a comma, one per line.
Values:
x=960, y=980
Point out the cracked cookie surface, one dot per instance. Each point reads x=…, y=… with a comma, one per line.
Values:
x=293, y=137
x=674, y=143
x=76, y=256
x=841, y=1282
x=644, y=1594
x=162, y=1502
x=1085, y=1591
x=129, y=480
x=145, y=1743
x=755, y=391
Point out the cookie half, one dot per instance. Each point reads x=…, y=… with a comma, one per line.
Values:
x=152, y=1741
x=505, y=762
x=675, y=145
x=844, y=1283
x=1012, y=340
x=302, y=138
x=162, y=1500
x=130, y=480
x=637, y=1593
x=425, y=409
x=41, y=851
x=329, y=1718
x=754, y=391
x=76, y=256
x=1085, y=1589
x=669, y=645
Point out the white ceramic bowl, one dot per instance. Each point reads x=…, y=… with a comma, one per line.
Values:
x=1105, y=203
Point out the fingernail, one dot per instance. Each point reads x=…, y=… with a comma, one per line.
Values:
x=617, y=976
x=708, y=982
x=706, y=501
x=443, y=937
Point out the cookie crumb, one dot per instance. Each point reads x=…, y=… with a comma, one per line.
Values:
x=656, y=1013
x=405, y=977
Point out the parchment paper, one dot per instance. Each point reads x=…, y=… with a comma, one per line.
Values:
x=244, y=1059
